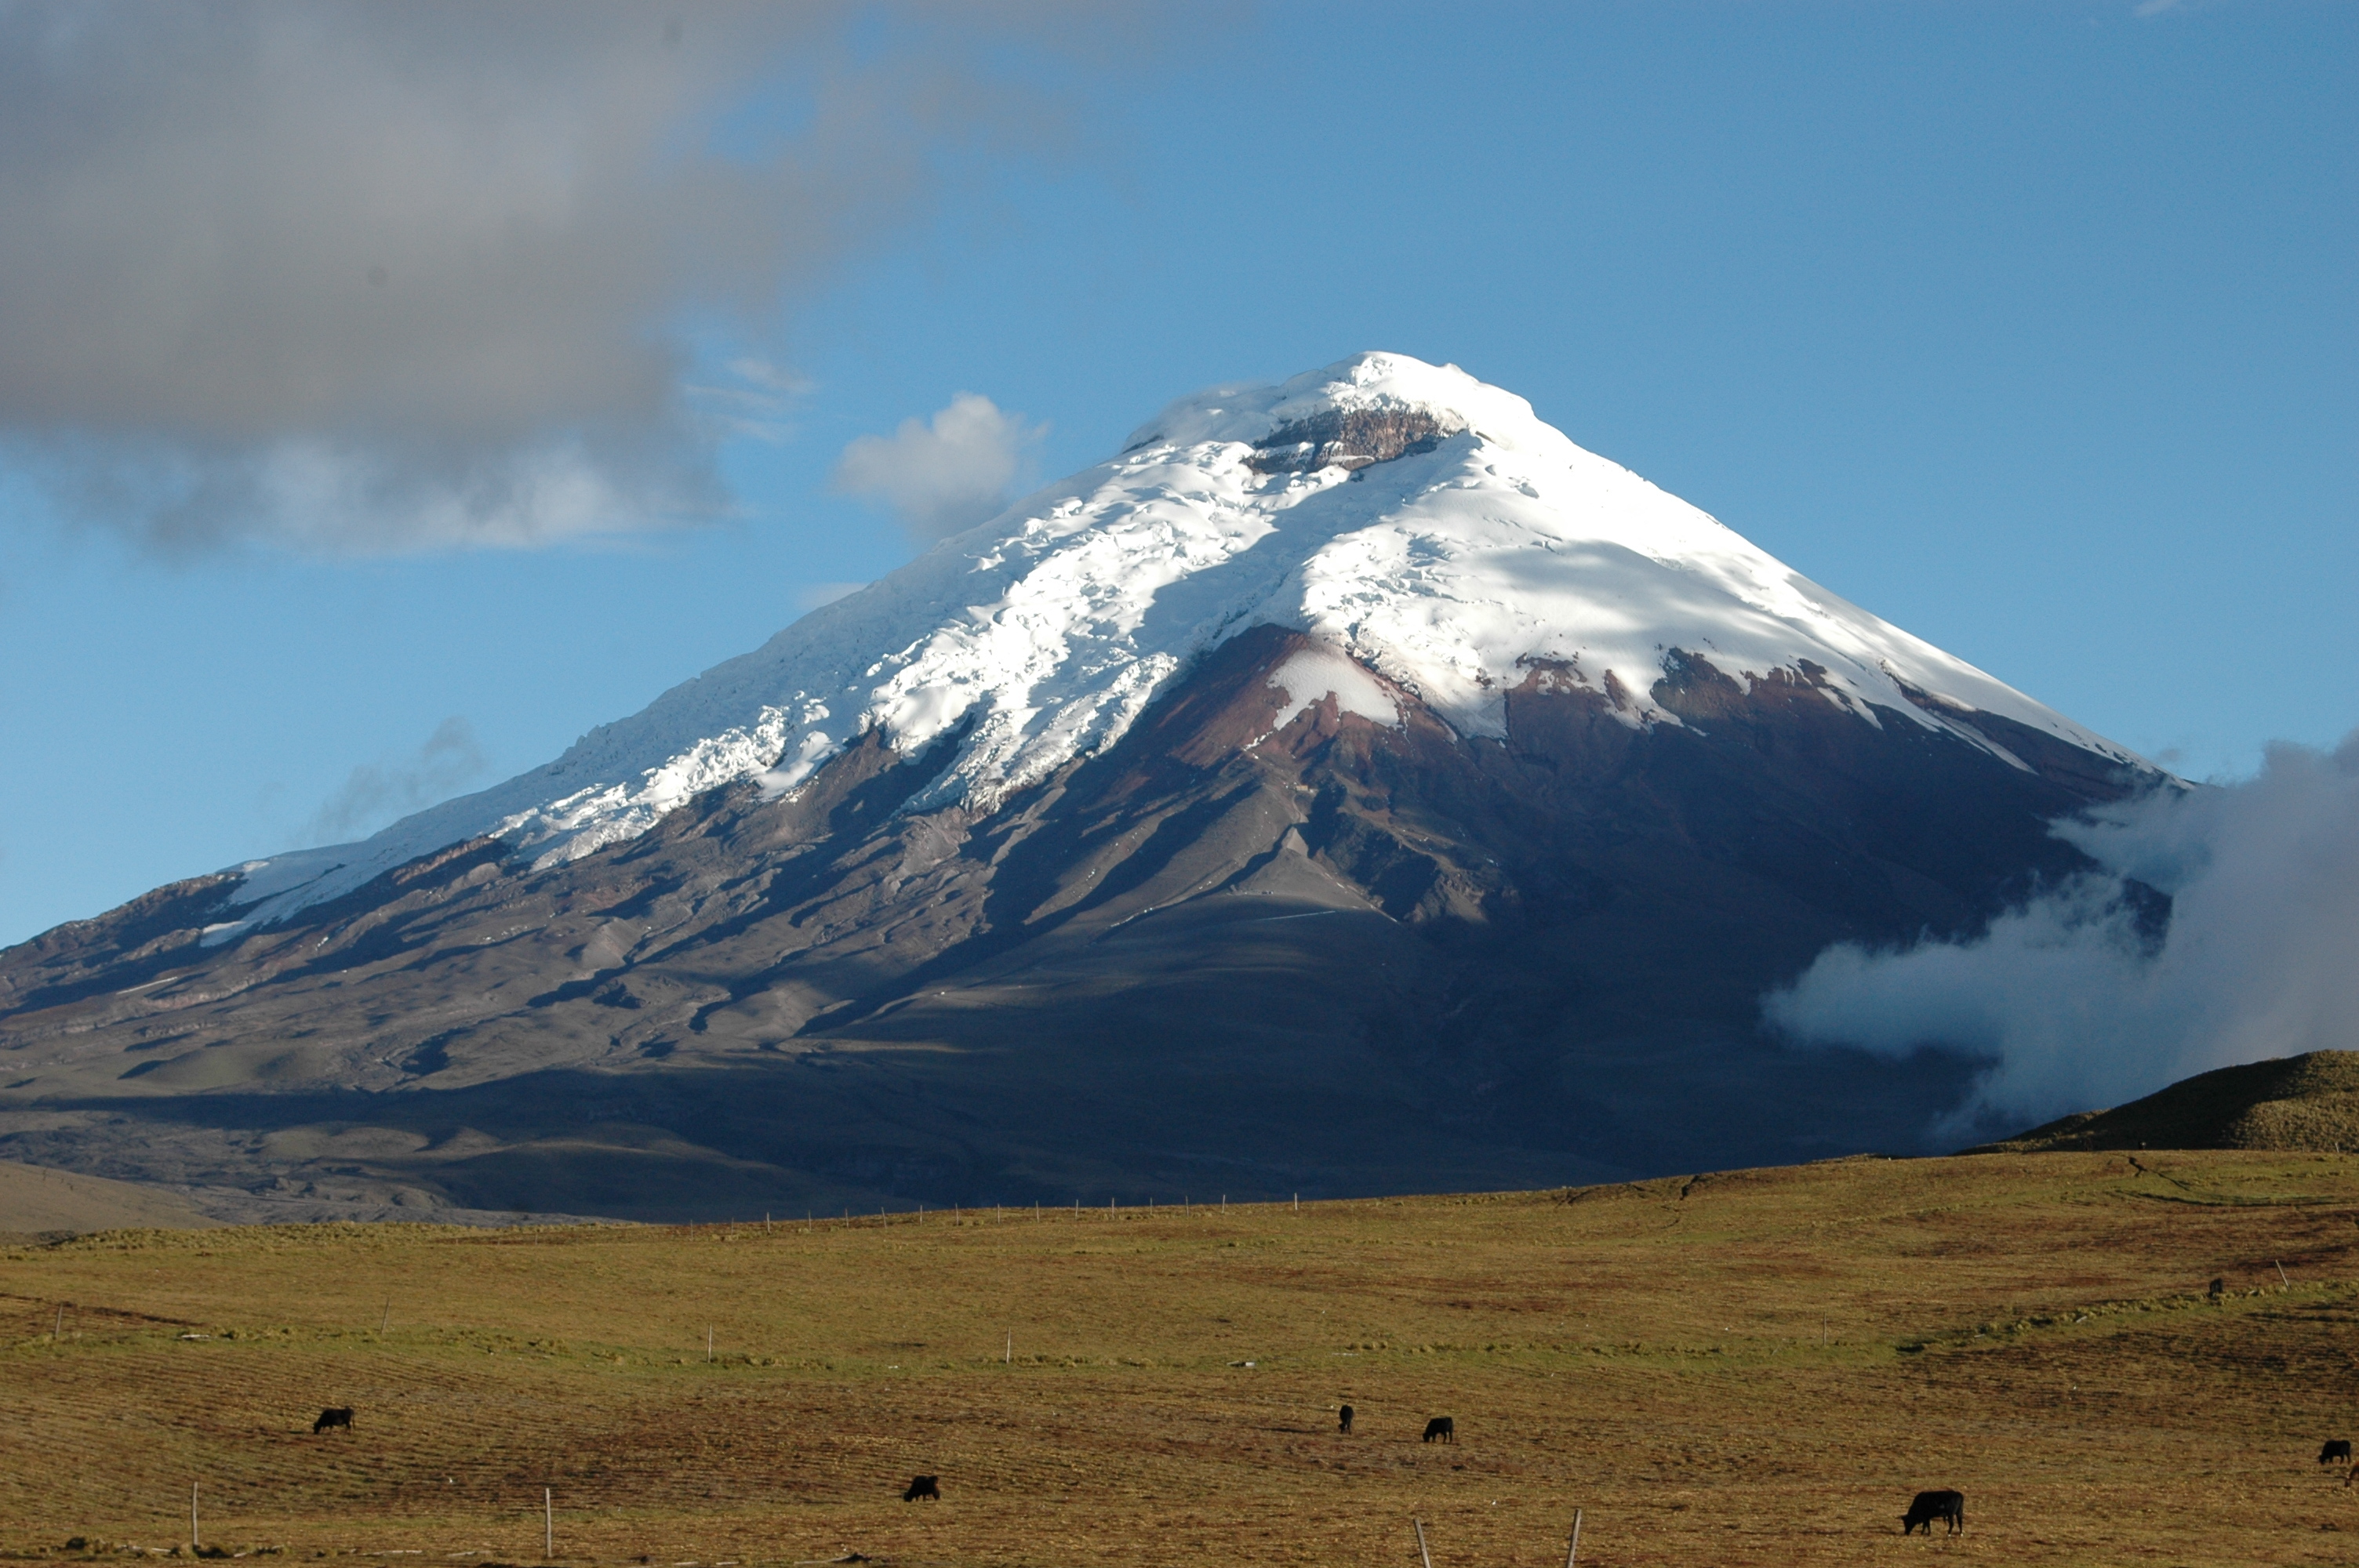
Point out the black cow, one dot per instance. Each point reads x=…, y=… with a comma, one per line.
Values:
x=2338, y=1451
x=338, y=1417
x=928, y=1486
x=1440, y=1427
x=1931, y=1505
x=1344, y=1424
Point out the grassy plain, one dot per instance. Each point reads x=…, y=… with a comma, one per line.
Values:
x=1753, y=1367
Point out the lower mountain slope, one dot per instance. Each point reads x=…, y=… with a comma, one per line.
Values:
x=2306, y=1102
x=36, y=1202
x=1292, y=932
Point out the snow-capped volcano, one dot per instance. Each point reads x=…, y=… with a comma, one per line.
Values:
x=1351, y=785
x=1424, y=523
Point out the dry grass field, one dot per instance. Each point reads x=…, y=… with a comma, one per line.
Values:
x=1754, y=1368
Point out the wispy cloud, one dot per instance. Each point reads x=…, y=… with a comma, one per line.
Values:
x=380, y=792
x=755, y=402
x=2092, y=994
x=944, y=475
x=354, y=277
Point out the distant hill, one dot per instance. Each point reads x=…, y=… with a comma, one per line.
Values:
x=34, y=1201
x=2292, y=1102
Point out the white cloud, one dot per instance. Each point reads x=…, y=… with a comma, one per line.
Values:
x=379, y=792
x=325, y=497
x=2080, y=999
x=367, y=277
x=942, y=477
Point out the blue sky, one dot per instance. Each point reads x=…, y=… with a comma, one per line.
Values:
x=2028, y=327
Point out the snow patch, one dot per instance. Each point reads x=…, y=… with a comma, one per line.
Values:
x=1311, y=674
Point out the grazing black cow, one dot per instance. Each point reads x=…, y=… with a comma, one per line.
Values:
x=2338, y=1451
x=1440, y=1427
x=1931, y=1505
x=2219, y=1288
x=338, y=1417
x=1344, y=1424
x=928, y=1486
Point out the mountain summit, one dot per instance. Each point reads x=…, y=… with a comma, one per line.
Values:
x=1403, y=515
x=1352, y=784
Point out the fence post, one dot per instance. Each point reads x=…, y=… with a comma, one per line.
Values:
x=1574, y=1550
x=1427, y=1556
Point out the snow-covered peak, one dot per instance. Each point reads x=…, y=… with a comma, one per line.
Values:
x=1371, y=383
x=1426, y=524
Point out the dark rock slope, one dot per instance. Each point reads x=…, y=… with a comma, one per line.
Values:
x=1337, y=958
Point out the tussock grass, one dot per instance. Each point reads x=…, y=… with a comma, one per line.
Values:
x=1750, y=1368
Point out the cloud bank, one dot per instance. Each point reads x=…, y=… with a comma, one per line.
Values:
x=369, y=278
x=944, y=476
x=2093, y=994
